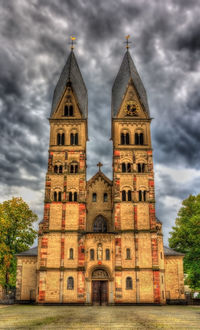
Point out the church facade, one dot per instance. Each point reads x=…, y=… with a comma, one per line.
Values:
x=100, y=241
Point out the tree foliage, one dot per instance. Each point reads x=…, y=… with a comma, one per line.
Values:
x=185, y=238
x=16, y=235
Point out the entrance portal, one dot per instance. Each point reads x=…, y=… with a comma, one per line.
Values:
x=99, y=287
x=100, y=292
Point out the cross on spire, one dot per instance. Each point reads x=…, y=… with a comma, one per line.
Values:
x=99, y=164
x=72, y=43
x=127, y=41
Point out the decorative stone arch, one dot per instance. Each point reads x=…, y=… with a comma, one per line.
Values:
x=126, y=160
x=141, y=160
x=126, y=188
x=99, y=273
x=142, y=187
x=100, y=222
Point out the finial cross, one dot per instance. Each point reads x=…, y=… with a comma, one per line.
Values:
x=99, y=164
x=72, y=43
x=127, y=41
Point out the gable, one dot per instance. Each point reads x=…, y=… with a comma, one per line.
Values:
x=99, y=177
x=68, y=103
x=131, y=106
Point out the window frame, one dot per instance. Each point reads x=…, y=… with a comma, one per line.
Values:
x=94, y=197
x=129, y=283
x=70, y=286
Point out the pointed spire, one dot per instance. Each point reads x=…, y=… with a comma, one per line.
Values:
x=71, y=74
x=126, y=72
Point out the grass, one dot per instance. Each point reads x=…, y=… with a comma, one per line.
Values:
x=99, y=317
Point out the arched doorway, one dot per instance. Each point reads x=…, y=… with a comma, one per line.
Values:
x=100, y=287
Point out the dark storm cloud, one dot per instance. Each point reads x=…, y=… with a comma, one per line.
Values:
x=165, y=48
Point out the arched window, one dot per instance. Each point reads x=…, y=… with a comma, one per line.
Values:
x=55, y=169
x=127, y=138
x=128, y=167
x=94, y=197
x=70, y=283
x=141, y=167
x=68, y=111
x=142, y=195
x=63, y=139
x=74, y=139
x=129, y=284
x=92, y=254
x=71, y=139
x=55, y=196
x=71, y=110
x=71, y=253
x=58, y=139
x=122, y=138
x=59, y=196
x=60, y=169
x=123, y=167
x=128, y=254
x=70, y=196
x=100, y=225
x=107, y=254
x=129, y=196
x=105, y=197
x=136, y=139
x=75, y=197
x=139, y=139
x=123, y=195
x=73, y=168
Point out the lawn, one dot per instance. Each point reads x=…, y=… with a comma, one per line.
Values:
x=99, y=317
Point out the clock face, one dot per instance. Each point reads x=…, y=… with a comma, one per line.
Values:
x=131, y=109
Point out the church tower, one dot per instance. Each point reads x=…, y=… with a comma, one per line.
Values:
x=139, y=243
x=61, y=244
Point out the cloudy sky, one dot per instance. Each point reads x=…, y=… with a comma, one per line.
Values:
x=166, y=50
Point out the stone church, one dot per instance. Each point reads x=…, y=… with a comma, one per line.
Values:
x=100, y=241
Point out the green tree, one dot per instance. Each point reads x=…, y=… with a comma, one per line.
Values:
x=185, y=238
x=16, y=235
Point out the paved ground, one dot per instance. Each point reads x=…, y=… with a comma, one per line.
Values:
x=99, y=317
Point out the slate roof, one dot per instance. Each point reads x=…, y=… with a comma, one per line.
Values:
x=71, y=73
x=126, y=72
x=30, y=252
x=171, y=252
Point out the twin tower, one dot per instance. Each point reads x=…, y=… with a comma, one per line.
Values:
x=99, y=241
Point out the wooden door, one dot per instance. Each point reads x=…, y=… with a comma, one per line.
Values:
x=96, y=292
x=104, y=293
x=99, y=292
